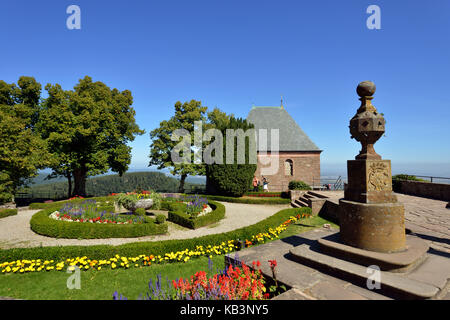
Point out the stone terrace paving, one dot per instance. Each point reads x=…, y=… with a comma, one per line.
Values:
x=428, y=218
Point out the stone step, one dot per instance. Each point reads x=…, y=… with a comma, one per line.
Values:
x=301, y=202
x=392, y=284
x=317, y=195
x=393, y=262
x=309, y=196
x=306, y=199
x=295, y=205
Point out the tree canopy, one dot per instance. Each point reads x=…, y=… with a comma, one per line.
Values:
x=22, y=151
x=87, y=130
x=162, y=144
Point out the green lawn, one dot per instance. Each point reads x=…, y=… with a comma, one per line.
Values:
x=306, y=224
x=98, y=285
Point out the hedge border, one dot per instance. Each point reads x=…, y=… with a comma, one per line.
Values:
x=185, y=220
x=254, y=200
x=134, y=249
x=8, y=212
x=281, y=194
x=42, y=224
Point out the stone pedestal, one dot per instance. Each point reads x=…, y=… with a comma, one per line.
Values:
x=370, y=217
x=375, y=227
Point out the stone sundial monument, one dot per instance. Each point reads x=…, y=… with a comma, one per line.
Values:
x=370, y=216
x=371, y=220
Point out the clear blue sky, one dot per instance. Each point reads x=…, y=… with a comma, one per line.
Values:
x=232, y=54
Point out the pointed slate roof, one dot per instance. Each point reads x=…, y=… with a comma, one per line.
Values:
x=292, y=137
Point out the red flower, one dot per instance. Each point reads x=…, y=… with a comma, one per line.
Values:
x=273, y=263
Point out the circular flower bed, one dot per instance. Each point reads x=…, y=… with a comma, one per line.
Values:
x=91, y=223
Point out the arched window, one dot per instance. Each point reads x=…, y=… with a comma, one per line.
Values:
x=288, y=168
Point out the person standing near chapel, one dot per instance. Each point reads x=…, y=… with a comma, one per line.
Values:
x=255, y=184
x=265, y=184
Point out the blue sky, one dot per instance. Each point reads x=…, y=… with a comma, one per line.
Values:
x=233, y=54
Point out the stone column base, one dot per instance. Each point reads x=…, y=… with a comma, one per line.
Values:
x=374, y=227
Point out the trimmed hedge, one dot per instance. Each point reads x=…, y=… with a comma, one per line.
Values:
x=7, y=212
x=254, y=200
x=182, y=218
x=156, y=248
x=42, y=224
x=262, y=194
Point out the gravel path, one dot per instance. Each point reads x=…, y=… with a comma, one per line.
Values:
x=15, y=231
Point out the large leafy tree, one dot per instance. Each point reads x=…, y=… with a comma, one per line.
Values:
x=87, y=130
x=22, y=151
x=162, y=144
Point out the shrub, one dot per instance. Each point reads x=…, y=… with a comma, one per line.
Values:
x=182, y=218
x=140, y=212
x=403, y=177
x=7, y=212
x=231, y=179
x=160, y=219
x=406, y=177
x=127, y=200
x=42, y=224
x=298, y=185
x=157, y=200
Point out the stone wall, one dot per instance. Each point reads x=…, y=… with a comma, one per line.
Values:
x=439, y=191
x=305, y=165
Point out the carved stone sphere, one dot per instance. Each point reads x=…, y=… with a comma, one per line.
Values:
x=366, y=89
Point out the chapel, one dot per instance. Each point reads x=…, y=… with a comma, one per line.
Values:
x=298, y=156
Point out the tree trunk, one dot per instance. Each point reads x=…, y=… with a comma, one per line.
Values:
x=181, y=188
x=79, y=177
x=69, y=180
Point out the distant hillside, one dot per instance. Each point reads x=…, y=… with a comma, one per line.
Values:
x=104, y=185
x=41, y=179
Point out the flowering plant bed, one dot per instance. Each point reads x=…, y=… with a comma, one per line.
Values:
x=236, y=282
x=210, y=213
x=89, y=211
x=233, y=283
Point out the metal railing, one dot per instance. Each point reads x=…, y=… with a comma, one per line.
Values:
x=446, y=179
x=328, y=183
